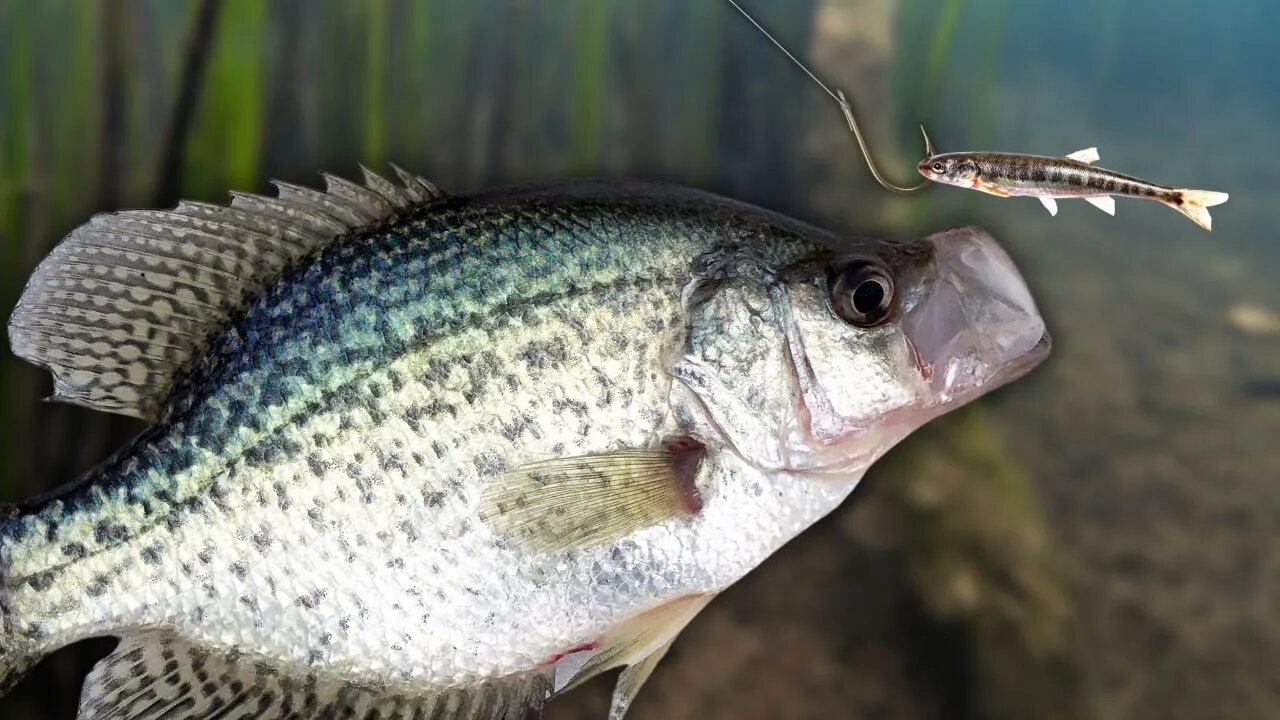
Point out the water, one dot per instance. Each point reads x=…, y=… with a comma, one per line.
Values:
x=1097, y=540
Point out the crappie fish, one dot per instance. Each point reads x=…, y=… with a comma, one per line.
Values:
x=1054, y=178
x=417, y=455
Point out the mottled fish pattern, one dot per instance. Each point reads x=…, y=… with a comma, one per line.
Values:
x=414, y=455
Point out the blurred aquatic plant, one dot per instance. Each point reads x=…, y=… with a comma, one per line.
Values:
x=587, y=107
x=979, y=556
x=226, y=143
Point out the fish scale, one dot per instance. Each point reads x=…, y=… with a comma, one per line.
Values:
x=311, y=515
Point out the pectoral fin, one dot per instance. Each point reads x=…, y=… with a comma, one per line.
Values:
x=1105, y=203
x=1050, y=204
x=639, y=643
x=575, y=502
x=1088, y=156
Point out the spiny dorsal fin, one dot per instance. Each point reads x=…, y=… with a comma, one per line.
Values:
x=156, y=674
x=1088, y=156
x=576, y=502
x=126, y=300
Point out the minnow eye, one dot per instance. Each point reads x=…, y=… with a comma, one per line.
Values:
x=861, y=294
x=939, y=167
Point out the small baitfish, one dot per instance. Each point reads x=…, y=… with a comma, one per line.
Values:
x=417, y=455
x=1055, y=178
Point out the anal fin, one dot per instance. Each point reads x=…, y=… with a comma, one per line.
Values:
x=157, y=674
x=632, y=679
x=1105, y=203
x=587, y=500
x=638, y=643
x=1050, y=204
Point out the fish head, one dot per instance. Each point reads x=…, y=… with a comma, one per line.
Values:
x=950, y=169
x=821, y=366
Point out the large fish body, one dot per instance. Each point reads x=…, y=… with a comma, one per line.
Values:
x=1073, y=176
x=412, y=453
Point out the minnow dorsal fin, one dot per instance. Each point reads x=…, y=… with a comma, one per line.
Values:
x=121, y=305
x=587, y=500
x=156, y=674
x=1088, y=156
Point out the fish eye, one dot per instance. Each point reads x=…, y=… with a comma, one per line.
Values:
x=862, y=295
x=939, y=167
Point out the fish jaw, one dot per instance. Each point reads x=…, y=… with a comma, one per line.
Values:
x=979, y=328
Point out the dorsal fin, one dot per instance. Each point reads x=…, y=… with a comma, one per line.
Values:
x=122, y=304
x=1088, y=156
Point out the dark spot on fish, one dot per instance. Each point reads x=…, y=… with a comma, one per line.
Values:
x=578, y=408
x=433, y=498
x=311, y=600
x=489, y=463
x=239, y=569
x=42, y=581
x=1038, y=174
x=262, y=539
x=316, y=464
x=514, y=429
x=151, y=554
x=106, y=532
x=409, y=530
x=98, y=586
x=73, y=551
x=396, y=380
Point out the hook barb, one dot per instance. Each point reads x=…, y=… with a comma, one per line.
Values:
x=847, y=109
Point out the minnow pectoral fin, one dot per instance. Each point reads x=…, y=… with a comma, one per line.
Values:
x=156, y=674
x=989, y=189
x=1088, y=156
x=1105, y=203
x=1050, y=204
x=120, y=307
x=638, y=643
x=574, y=502
x=1195, y=203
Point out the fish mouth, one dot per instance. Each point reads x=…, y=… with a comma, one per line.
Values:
x=979, y=327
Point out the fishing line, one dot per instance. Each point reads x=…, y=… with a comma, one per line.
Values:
x=847, y=109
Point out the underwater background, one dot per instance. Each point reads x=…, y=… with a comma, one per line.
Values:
x=1098, y=540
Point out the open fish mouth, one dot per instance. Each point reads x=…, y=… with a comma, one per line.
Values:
x=979, y=327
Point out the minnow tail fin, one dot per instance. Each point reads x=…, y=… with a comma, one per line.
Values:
x=1196, y=203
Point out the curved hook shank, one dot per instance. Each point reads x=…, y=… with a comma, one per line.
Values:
x=866, y=153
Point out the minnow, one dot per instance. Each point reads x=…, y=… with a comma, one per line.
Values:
x=414, y=454
x=1050, y=179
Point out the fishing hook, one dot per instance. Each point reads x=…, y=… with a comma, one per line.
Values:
x=847, y=109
